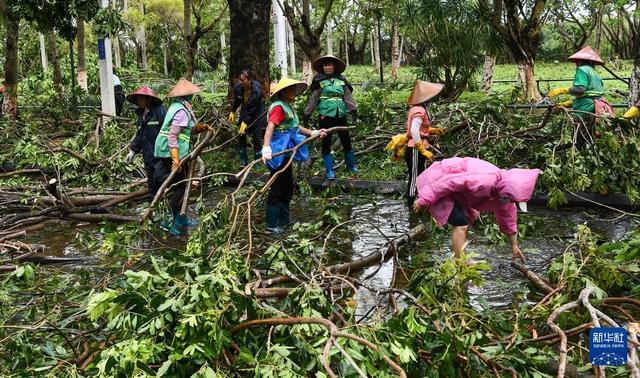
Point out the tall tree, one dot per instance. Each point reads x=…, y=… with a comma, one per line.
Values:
x=55, y=61
x=307, y=36
x=249, y=50
x=82, y=64
x=193, y=35
x=10, y=102
x=575, y=20
x=520, y=29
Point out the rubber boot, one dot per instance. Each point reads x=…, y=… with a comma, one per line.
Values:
x=350, y=161
x=273, y=214
x=328, y=166
x=284, y=220
x=184, y=221
x=171, y=226
x=242, y=151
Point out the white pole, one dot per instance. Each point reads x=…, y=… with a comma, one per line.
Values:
x=223, y=47
x=280, y=36
x=106, y=72
x=43, y=54
x=401, y=50
x=292, y=49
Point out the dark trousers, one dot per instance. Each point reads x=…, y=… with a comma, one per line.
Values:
x=162, y=169
x=282, y=189
x=119, y=95
x=257, y=134
x=328, y=122
x=416, y=164
x=151, y=183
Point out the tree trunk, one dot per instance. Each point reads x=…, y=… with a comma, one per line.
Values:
x=292, y=50
x=307, y=70
x=330, y=37
x=82, y=65
x=346, y=46
x=223, y=47
x=10, y=103
x=374, y=55
x=43, y=53
x=164, y=59
x=487, y=72
x=526, y=78
x=117, y=62
x=634, y=84
x=55, y=62
x=142, y=37
x=395, y=49
x=186, y=24
x=249, y=50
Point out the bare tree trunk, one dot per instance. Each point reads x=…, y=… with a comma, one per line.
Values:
x=117, y=62
x=598, y=21
x=43, y=53
x=249, y=50
x=307, y=70
x=330, y=37
x=395, y=49
x=187, y=34
x=487, y=71
x=634, y=94
x=11, y=65
x=142, y=38
x=164, y=59
x=55, y=62
x=372, y=48
x=223, y=47
x=526, y=78
x=82, y=64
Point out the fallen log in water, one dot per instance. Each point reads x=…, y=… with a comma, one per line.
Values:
x=534, y=278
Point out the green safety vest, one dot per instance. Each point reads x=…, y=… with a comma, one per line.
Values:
x=184, y=138
x=290, y=122
x=331, y=98
x=587, y=77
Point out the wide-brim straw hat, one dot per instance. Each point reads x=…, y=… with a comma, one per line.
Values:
x=183, y=88
x=587, y=53
x=338, y=64
x=286, y=83
x=144, y=91
x=424, y=91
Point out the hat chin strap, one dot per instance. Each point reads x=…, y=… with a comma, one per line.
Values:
x=522, y=206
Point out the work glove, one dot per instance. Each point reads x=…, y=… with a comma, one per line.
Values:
x=129, y=158
x=232, y=118
x=558, y=91
x=423, y=151
x=397, y=141
x=266, y=153
x=175, y=159
x=633, y=112
x=202, y=127
x=243, y=128
x=437, y=131
x=565, y=104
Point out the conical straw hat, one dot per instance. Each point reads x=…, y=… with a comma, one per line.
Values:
x=586, y=53
x=287, y=82
x=144, y=91
x=183, y=88
x=338, y=63
x=424, y=91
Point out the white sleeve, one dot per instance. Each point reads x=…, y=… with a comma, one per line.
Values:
x=415, y=129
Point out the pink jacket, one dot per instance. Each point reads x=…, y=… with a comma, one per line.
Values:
x=476, y=185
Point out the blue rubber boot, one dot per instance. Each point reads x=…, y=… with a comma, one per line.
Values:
x=242, y=151
x=273, y=214
x=350, y=161
x=184, y=221
x=284, y=220
x=176, y=230
x=328, y=166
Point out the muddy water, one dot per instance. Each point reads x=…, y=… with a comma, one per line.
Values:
x=375, y=220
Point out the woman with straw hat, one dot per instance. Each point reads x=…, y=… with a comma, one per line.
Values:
x=418, y=130
x=172, y=145
x=331, y=94
x=283, y=132
x=150, y=114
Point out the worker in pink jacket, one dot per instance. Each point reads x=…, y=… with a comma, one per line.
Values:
x=456, y=190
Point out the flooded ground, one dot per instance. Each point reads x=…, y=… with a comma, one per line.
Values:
x=375, y=220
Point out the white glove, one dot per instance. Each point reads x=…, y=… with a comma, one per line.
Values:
x=266, y=153
x=129, y=158
x=315, y=133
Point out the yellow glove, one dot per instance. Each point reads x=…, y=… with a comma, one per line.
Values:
x=397, y=141
x=175, y=159
x=557, y=91
x=566, y=104
x=399, y=153
x=232, y=118
x=633, y=112
x=436, y=131
x=423, y=151
x=243, y=128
